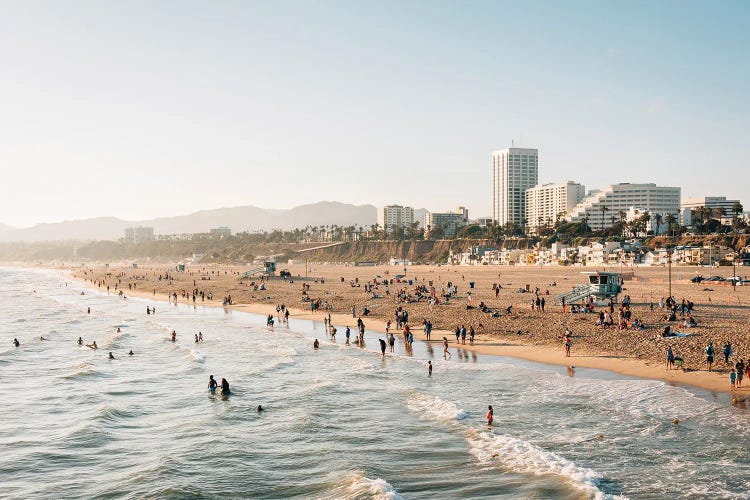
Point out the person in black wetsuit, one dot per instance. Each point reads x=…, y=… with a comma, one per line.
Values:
x=316, y=344
x=80, y=341
x=382, y=346
x=224, y=387
x=16, y=343
x=111, y=356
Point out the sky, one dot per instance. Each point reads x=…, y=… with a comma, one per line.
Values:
x=141, y=109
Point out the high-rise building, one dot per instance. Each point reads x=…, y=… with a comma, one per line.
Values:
x=450, y=222
x=514, y=170
x=221, y=232
x=392, y=216
x=139, y=234
x=600, y=206
x=547, y=203
x=691, y=208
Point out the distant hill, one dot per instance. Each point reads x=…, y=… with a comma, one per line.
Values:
x=247, y=218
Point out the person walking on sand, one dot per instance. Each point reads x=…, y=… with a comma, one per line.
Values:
x=710, y=351
x=727, y=351
x=463, y=335
x=567, y=342
x=446, y=353
x=471, y=335
x=740, y=367
x=490, y=415
x=670, y=358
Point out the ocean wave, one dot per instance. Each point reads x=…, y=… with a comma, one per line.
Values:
x=356, y=485
x=82, y=369
x=197, y=357
x=526, y=458
x=434, y=408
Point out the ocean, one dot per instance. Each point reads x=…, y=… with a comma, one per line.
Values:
x=339, y=422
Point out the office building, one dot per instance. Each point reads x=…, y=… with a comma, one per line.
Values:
x=221, y=231
x=139, y=234
x=392, y=216
x=514, y=170
x=690, y=208
x=548, y=203
x=449, y=222
x=601, y=206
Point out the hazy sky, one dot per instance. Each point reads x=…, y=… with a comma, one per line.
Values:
x=142, y=109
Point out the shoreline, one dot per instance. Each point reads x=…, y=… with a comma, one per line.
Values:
x=499, y=346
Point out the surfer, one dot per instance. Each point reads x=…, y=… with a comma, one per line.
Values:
x=174, y=336
x=224, y=387
x=93, y=345
x=16, y=343
x=490, y=415
x=260, y=408
x=382, y=346
x=316, y=344
x=111, y=356
x=131, y=353
x=212, y=384
x=80, y=341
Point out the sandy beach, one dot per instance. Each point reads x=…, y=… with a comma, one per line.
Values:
x=720, y=311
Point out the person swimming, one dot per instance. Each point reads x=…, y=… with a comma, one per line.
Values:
x=316, y=344
x=131, y=353
x=490, y=415
x=118, y=330
x=111, y=356
x=80, y=341
x=224, y=387
x=16, y=343
x=212, y=384
x=93, y=345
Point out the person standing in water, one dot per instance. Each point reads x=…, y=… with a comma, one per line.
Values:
x=111, y=356
x=212, y=384
x=224, y=387
x=174, y=336
x=196, y=338
x=200, y=336
x=490, y=415
x=392, y=341
x=80, y=341
x=348, y=333
x=16, y=343
x=316, y=344
x=446, y=354
x=382, y=347
x=429, y=368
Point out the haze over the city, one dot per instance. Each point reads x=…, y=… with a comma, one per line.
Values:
x=164, y=109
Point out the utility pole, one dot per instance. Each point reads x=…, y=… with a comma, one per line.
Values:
x=669, y=265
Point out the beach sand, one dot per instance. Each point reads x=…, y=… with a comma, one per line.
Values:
x=721, y=311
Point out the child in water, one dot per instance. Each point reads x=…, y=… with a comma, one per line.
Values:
x=490, y=415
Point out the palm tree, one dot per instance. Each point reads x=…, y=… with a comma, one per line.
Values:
x=603, y=208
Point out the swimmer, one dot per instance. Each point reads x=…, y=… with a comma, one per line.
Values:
x=130, y=353
x=93, y=345
x=429, y=368
x=224, y=387
x=111, y=356
x=80, y=341
x=118, y=330
x=212, y=384
x=382, y=346
x=260, y=408
x=316, y=344
x=490, y=415
x=41, y=338
x=16, y=343
x=174, y=336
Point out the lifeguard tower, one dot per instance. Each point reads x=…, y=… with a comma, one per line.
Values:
x=267, y=269
x=601, y=285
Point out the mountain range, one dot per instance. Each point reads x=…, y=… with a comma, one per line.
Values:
x=245, y=218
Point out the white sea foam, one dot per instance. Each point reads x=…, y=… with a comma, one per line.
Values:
x=434, y=408
x=524, y=457
x=356, y=485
